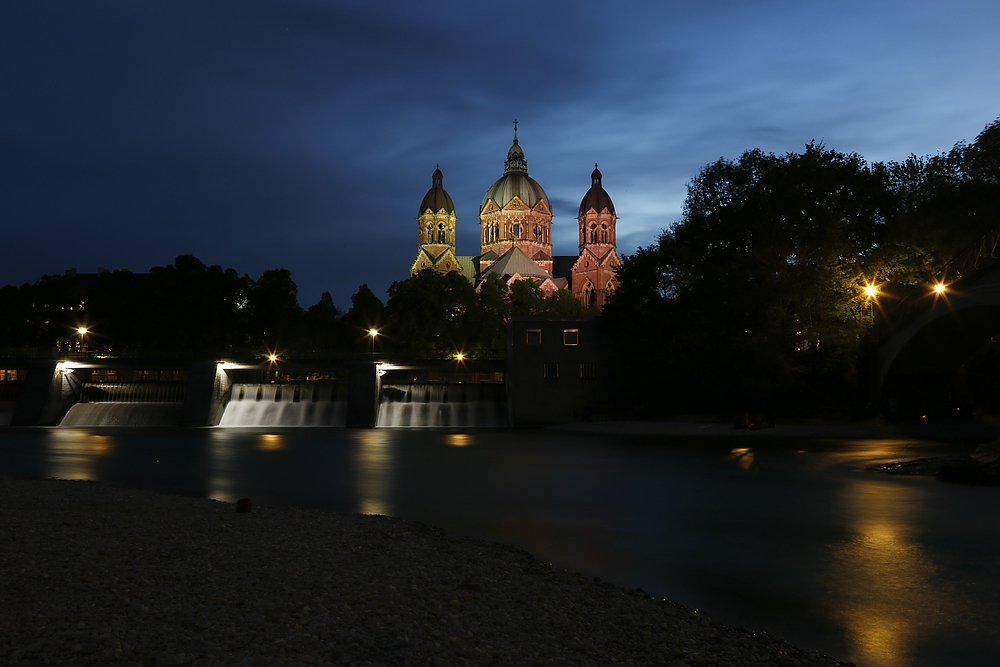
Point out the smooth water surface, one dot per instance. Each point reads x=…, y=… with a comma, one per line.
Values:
x=795, y=538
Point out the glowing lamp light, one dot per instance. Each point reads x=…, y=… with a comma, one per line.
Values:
x=82, y=331
x=459, y=356
x=939, y=288
x=871, y=291
x=373, y=332
x=272, y=357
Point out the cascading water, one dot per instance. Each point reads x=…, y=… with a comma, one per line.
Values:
x=464, y=405
x=316, y=403
x=127, y=404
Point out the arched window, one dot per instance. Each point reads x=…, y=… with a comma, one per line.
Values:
x=515, y=230
x=538, y=233
x=589, y=295
x=604, y=233
x=593, y=233
x=441, y=234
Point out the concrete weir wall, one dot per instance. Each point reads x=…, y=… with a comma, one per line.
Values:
x=48, y=394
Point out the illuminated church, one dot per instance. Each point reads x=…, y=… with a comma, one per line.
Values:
x=515, y=222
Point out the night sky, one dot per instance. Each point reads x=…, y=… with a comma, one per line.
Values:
x=302, y=135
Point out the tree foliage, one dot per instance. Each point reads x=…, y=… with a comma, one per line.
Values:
x=754, y=299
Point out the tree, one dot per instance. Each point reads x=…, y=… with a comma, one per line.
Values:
x=752, y=299
x=430, y=315
x=367, y=312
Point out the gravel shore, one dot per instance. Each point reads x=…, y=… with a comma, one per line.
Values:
x=94, y=574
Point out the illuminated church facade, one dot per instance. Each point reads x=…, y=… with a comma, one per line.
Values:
x=515, y=220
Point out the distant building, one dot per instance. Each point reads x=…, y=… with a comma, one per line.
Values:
x=515, y=221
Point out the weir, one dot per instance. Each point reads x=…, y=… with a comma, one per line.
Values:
x=315, y=403
x=97, y=392
x=127, y=404
x=444, y=405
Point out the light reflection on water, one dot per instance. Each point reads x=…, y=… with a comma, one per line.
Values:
x=73, y=456
x=797, y=539
x=373, y=458
x=891, y=593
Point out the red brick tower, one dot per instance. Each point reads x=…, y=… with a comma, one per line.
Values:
x=594, y=270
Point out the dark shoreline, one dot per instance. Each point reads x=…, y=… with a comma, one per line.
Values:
x=96, y=574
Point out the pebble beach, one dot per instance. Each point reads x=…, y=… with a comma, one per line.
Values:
x=92, y=574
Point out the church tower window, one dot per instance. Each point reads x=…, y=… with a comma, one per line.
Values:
x=604, y=233
x=515, y=230
x=593, y=233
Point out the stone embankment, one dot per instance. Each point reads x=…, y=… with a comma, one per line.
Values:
x=982, y=467
x=98, y=575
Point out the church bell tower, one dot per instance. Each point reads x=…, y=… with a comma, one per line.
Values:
x=594, y=271
x=436, y=230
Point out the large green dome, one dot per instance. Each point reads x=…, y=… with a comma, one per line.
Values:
x=515, y=182
x=437, y=197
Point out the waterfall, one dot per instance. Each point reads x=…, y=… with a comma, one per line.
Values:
x=123, y=414
x=127, y=404
x=316, y=403
x=464, y=405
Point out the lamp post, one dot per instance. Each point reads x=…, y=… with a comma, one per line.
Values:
x=373, y=332
x=83, y=332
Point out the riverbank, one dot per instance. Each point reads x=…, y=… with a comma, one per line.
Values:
x=875, y=429
x=95, y=574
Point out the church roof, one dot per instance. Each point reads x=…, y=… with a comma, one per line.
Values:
x=470, y=266
x=596, y=198
x=515, y=261
x=437, y=197
x=515, y=182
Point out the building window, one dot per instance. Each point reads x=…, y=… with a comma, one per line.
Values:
x=534, y=337
x=571, y=336
x=588, y=371
x=515, y=230
x=604, y=233
x=550, y=371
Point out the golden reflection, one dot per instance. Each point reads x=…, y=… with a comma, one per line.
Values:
x=270, y=442
x=459, y=439
x=743, y=457
x=373, y=458
x=890, y=593
x=74, y=454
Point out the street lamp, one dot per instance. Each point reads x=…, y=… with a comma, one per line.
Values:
x=373, y=332
x=459, y=357
x=939, y=288
x=83, y=332
x=871, y=291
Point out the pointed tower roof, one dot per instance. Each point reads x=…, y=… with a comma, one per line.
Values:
x=596, y=198
x=437, y=197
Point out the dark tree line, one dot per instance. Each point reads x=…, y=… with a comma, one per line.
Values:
x=755, y=299
x=191, y=310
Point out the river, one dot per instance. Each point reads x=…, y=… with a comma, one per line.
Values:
x=793, y=537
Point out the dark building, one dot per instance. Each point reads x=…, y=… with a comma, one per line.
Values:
x=556, y=369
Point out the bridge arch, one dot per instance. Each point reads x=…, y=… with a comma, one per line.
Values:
x=930, y=355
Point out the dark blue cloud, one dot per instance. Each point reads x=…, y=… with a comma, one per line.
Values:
x=302, y=134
